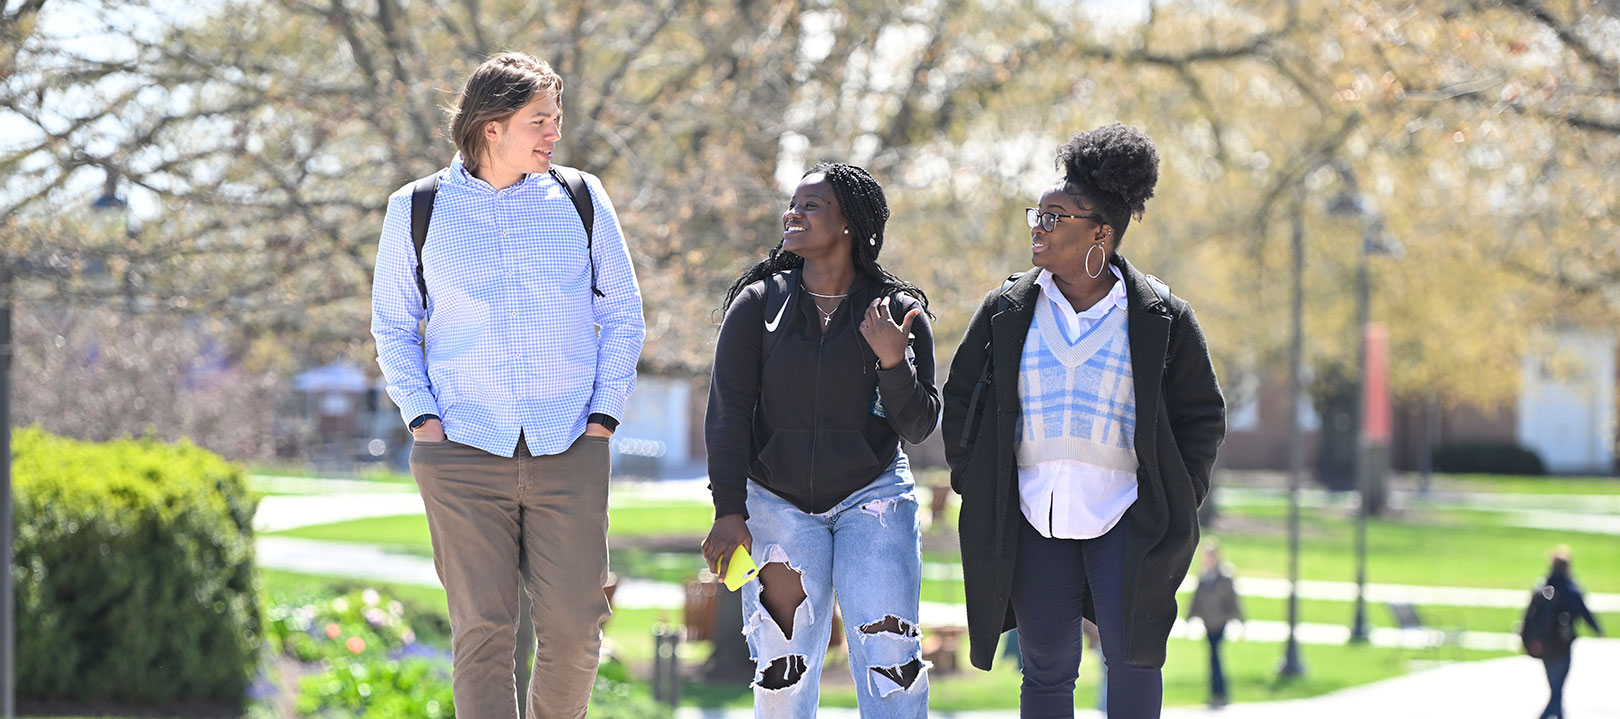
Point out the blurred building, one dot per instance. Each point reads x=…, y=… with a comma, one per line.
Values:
x=1565, y=413
x=347, y=419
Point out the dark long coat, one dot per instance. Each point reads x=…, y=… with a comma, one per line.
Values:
x=1181, y=420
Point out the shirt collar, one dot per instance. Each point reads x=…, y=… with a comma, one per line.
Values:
x=459, y=173
x=1115, y=297
x=458, y=170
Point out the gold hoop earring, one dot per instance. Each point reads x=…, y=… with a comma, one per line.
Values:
x=1100, y=266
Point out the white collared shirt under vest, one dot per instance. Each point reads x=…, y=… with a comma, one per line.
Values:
x=1076, y=441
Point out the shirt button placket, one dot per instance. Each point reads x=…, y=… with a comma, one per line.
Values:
x=506, y=262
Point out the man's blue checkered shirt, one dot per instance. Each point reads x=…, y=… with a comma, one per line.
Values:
x=512, y=325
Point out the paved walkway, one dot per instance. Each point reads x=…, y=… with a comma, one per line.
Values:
x=1510, y=688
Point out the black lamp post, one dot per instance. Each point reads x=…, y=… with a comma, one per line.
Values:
x=1292, y=666
x=1370, y=461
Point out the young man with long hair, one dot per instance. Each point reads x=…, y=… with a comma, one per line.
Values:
x=533, y=328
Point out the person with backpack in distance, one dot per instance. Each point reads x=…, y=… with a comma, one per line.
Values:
x=533, y=329
x=1082, y=417
x=824, y=362
x=1548, y=628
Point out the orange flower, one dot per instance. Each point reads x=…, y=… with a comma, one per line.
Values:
x=332, y=631
x=355, y=645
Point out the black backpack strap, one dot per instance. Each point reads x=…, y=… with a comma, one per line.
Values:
x=573, y=183
x=422, y=195
x=1161, y=289
x=986, y=375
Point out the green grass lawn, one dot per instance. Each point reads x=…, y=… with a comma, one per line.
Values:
x=410, y=532
x=1512, y=484
x=293, y=587
x=375, y=472
x=1448, y=548
x=1276, y=509
x=1438, y=553
x=1473, y=619
x=673, y=520
x=405, y=533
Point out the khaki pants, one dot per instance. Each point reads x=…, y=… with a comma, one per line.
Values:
x=496, y=520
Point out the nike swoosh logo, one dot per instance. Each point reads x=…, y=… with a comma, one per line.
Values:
x=771, y=325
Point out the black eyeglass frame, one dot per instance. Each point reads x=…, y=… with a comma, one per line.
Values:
x=1048, y=220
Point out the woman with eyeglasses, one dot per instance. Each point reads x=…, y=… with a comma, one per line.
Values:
x=825, y=361
x=1081, y=420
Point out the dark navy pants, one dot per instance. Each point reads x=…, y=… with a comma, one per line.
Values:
x=1050, y=585
x=1217, y=677
x=1557, y=672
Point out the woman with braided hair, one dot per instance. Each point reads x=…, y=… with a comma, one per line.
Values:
x=824, y=363
x=1082, y=418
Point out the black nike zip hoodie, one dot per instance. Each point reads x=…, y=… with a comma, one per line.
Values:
x=805, y=413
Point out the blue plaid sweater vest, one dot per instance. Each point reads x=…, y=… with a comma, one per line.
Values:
x=1078, y=400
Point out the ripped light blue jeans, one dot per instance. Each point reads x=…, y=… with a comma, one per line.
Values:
x=868, y=551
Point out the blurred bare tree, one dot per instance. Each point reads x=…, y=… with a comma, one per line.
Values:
x=270, y=133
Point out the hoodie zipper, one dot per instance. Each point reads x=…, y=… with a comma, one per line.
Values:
x=815, y=415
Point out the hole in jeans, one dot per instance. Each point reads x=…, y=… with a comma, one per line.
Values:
x=891, y=624
x=784, y=672
x=903, y=675
x=781, y=591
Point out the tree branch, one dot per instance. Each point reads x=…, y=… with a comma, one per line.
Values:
x=1535, y=10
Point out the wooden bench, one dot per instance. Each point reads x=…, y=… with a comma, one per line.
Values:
x=941, y=646
x=1428, y=636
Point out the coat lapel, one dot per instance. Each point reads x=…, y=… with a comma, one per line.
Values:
x=1007, y=332
x=1150, y=343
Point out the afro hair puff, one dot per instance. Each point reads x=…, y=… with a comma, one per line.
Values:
x=1116, y=160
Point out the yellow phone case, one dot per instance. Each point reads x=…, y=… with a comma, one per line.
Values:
x=740, y=569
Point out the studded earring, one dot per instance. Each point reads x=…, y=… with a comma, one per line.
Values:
x=872, y=240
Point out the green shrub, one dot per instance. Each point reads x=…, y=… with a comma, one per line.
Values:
x=1487, y=458
x=134, y=573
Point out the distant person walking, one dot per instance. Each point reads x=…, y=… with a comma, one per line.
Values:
x=1548, y=629
x=1082, y=418
x=1215, y=603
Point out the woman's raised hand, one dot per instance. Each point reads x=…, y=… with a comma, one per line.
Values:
x=887, y=339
